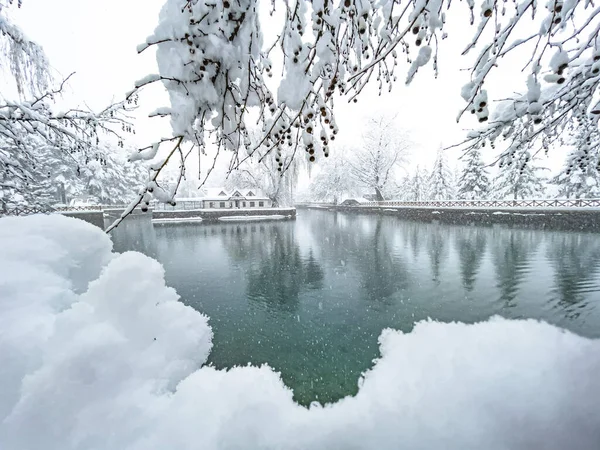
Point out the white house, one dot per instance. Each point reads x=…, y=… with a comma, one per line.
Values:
x=221, y=198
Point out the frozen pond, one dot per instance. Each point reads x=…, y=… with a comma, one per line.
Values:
x=310, y=297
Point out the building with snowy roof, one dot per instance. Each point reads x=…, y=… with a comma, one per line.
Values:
x=216, y=198
x=221, y=198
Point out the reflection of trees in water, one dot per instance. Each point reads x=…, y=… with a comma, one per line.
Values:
x=512, y=251
x=471, y=245
x=135, y=234
x=382, y=273
x=415, y=237
x=313, y=272
x=338, y=235
x=437, y=249
x=275, y=270
x=277, y=276
x=365, y=243
x=243, y=241
x=576, y=262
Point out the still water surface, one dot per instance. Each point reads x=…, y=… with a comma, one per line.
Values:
x=310, y=297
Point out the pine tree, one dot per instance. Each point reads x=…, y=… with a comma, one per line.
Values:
x=580, y=177
x=474, y=183
x=440, y=181
x=519, y=178
x=417, y=188
x=454, y=183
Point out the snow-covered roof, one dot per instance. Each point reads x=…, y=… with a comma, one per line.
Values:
x=222, y=194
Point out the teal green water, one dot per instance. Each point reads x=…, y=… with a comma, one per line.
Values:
x=310, y=297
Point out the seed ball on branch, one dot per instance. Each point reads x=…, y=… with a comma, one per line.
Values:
x=486, y=8
x=558, y=6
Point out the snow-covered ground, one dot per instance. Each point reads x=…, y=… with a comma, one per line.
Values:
x=97, y=353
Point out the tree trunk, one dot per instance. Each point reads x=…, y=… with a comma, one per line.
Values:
x=378, y=195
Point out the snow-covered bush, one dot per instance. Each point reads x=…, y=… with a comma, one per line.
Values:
x=97, y=353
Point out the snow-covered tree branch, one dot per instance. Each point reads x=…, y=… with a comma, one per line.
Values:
x=33, y=131
x=215, y=64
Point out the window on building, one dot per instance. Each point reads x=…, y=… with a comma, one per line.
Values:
x=251, y=204
x=222, y=193
x=261, y=203
x=211, y=205
x=250, y=194
x=244, y=204
x=221, y=204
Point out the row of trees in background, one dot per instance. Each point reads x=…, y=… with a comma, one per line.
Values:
x=55, y=176
x=471, y=182
x=370, y=172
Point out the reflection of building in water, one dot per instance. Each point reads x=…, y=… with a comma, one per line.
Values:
x=221, y=198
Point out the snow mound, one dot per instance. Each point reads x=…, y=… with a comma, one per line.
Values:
x=97, y=353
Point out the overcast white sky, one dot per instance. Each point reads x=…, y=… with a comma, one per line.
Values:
x=98, y=39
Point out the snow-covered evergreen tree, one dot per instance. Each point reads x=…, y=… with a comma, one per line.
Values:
x=440, y=181
x=580, y=176
x=418, y=189
x=109, y=178
x=474, y=183
x=519, y=178
x=455, y=178
x=54, y=176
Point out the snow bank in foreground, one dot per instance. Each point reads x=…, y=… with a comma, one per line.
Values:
x=96, y=353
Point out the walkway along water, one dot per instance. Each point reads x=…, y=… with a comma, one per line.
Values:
x=581, y=214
